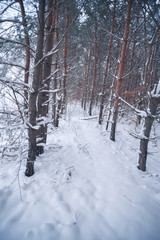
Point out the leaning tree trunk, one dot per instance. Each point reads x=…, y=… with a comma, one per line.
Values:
x=34, y=93
x=120, y=74
x=43, y=98
x=153, y=104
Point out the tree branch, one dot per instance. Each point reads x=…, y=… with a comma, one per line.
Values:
x=5, y=40
x=13, y=65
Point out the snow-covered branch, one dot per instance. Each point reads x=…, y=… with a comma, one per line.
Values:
x=156, y=90
x=137, y=111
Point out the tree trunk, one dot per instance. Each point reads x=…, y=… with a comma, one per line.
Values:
x=43, y=100
x=147, y=78
x=33, y=95
x=153, y=104
x=65, y=59
x=27, y=64
x=152, y=65
x=111, y=97
x=95, y=70
x=121, y=70
x=84, y=83
x=106, y=68
x=55, y=110
x=58, y=112
x=129, y=82
x=87, y=75
x=85, y=79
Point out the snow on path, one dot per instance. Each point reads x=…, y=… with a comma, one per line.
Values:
x=85, y=187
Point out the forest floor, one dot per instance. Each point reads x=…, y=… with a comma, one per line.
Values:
x=85, y=187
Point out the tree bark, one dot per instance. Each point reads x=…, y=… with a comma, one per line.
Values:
x=33, y=95
x=87, y=75
x=43, y=99
x=27, y=42
x=65, y=59
x=55, y=105
x=106, y=68
x=153, y=104
x=95, y=70
x=147, y=73
x=129, y=83
x=85, y=78
x=111, y=97
x=121, y=70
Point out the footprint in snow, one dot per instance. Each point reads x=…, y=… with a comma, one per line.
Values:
x=29, y=235
x=16, y=216
x=68, y=175
x=49, y=231
x=4, y=196
x=49, y=227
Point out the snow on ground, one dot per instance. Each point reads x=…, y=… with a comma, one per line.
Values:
x=85, y=187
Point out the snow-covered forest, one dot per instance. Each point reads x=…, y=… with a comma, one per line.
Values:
x=79, y=119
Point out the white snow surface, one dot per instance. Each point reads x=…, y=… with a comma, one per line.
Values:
x=85, y=187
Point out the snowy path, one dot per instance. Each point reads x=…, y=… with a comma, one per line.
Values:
x=85, y=187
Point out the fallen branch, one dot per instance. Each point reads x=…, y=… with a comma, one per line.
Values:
x=92, y=117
